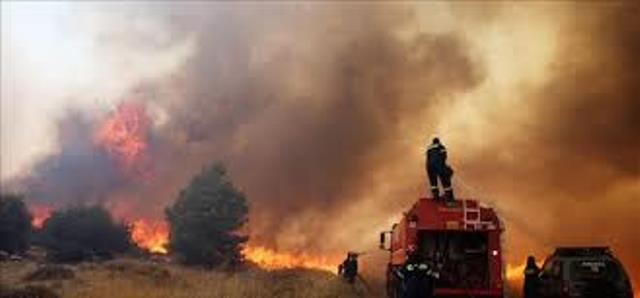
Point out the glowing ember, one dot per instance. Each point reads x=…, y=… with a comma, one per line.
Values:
x=271, y=259
x=150, y=235
x=39, y=214
x=124, y=135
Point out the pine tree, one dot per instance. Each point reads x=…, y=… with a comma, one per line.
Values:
x=205, y=219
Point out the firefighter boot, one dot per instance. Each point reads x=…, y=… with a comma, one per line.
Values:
x=448, y=194
x=435, y=192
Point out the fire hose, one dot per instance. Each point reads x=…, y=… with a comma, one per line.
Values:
x=358, y=276
x=366, y=285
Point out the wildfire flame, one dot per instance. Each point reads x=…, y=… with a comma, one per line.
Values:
x=271, y=260
x=150, y=235
x=39, y=213
x=515, y=273
x=153, y=236
x=124, y=135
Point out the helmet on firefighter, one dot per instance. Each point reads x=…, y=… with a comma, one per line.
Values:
x=411, y=249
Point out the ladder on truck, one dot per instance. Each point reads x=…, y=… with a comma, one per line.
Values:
x=473, y=218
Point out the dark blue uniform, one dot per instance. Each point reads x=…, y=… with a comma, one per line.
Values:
x=531, y=272
x=437, y=168
x=349, y=268
x=418, y=278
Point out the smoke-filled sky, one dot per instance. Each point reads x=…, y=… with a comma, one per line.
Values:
x=322, y=110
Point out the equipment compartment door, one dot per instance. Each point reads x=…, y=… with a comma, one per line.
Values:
x=463, y=257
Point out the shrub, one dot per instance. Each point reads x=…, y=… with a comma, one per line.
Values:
x=15, y=224
x=80, y=233
x=205, y=218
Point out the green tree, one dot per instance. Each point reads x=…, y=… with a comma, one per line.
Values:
x=79, y=233
x=15, y=224
x=205, y=219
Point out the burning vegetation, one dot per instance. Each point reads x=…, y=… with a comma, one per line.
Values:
x=271, y=259
x=39, y=214
x=124, y=135
x=150, y=235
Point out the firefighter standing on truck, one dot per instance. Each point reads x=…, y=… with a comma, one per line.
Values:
x=531, y=272
x=437, y=168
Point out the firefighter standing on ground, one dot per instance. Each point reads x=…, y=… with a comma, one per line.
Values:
x=418, y=277
x=531, y=272
x=437, y=168
x=349, y=267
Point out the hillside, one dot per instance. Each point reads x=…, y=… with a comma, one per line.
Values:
x=135, y=278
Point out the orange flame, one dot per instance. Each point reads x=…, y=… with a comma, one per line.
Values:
x=39, y=213
x=124, y=135
x=150, y=235
x=515, y=273
x=153, y=236
x=271, y=260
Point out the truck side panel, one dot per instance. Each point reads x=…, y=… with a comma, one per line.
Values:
x=399, y=243
x=495, y=260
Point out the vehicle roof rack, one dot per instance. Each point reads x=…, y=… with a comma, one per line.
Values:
x=582, y=251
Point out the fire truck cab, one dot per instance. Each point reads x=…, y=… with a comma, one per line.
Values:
x=462, y=241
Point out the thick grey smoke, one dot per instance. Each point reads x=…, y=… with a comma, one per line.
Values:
x=572, y=167
x=80, y=173
x=303, y=102
x=299, y=100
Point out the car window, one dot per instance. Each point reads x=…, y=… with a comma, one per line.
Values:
x=594, y=269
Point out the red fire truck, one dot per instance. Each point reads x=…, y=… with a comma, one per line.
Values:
x=463, y=241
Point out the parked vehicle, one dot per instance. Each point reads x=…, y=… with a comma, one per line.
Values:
x=584, y=272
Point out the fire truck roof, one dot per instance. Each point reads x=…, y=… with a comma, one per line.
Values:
x=464, y=214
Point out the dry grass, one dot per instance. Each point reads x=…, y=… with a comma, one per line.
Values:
x=135, y=278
